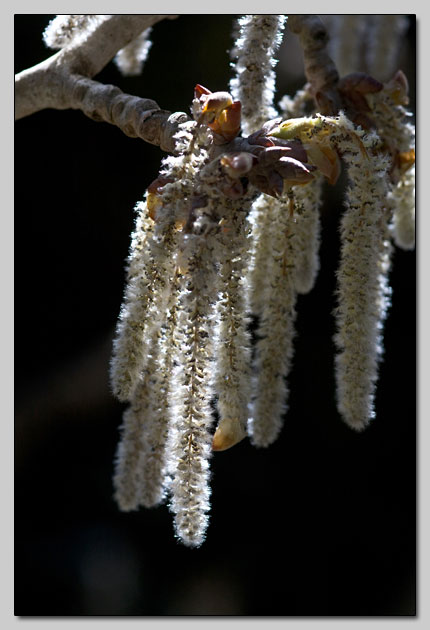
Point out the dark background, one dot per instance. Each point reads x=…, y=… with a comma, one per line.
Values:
x=323, y=522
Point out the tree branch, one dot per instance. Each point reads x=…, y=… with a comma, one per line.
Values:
x=64, y=81
x=320, y=69
x=136, y=117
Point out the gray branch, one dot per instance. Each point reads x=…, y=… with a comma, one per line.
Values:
x=64, y=81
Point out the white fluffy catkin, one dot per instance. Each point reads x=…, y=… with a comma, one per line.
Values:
x=65, y=29
x=274, y=348
x=307, y=200
x=131, y=58
x=254, y=83
x=140, y=474
x=403, y=198
x=151, y=267
x=393, y=125
x=232, y=340
x=362, y=284
x=133, y=443
x=261, y=218
x=190, y=440
x=154, y=455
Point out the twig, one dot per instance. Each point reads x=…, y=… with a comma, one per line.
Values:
x=64, y=81
x=320, y=70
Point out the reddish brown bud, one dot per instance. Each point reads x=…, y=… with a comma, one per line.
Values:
x=353, y=89
x=327, y=101
x=219, y=112
x=259, y=138
x=237, y=164
x=226, y=125
x=293, y=171
x=200, y=91
x=359, y=82
x=213, y=105
x=228, y=433
x=291, y=149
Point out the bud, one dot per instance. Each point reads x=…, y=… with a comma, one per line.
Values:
x=226, y=125
x=237, y=164
x=228, y=433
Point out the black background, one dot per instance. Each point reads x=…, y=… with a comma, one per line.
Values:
x=323, y=522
